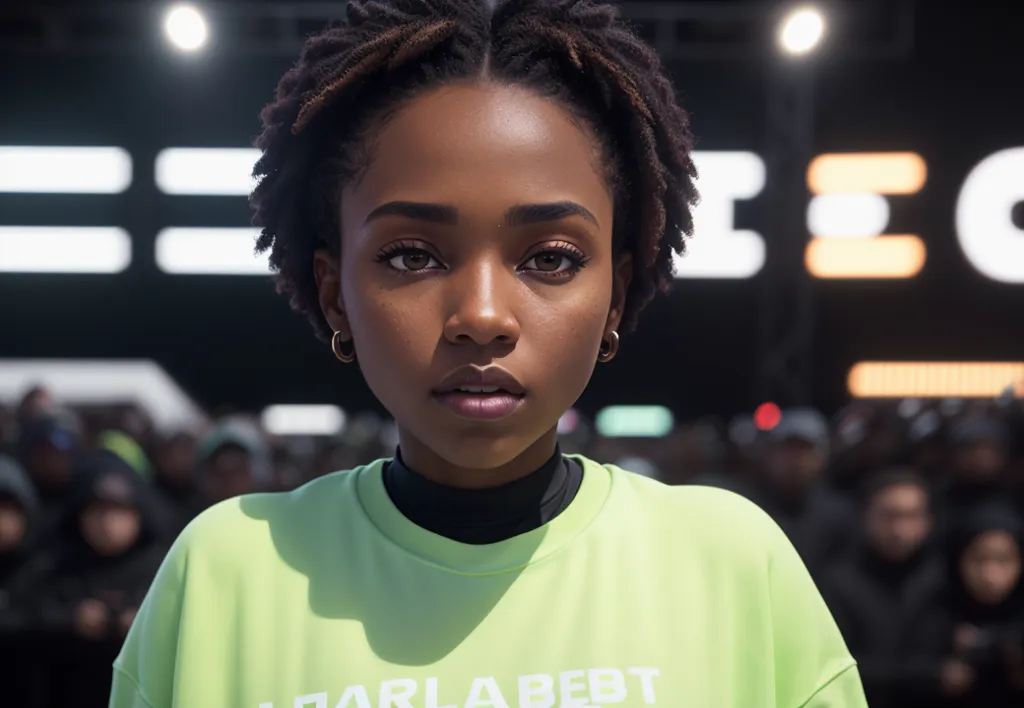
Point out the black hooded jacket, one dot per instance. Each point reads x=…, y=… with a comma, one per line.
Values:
x=998, y=656
x=79, y=667
x=20, y=573
x=892, y=619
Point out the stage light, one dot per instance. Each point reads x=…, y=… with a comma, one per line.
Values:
x=186, y=28
x=879, y=379
x=206, y=171
x=634, y=422
x=299, y=419
x=64, y=170
x=64, y=249
x=993, y=244
x=889, y=256
x=718, y=249
x=210, y=251
x=801, y=31
x=767, y=416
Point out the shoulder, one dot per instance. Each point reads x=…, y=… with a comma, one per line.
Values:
x=710, y=517
x=697, y=503
x=244, y=527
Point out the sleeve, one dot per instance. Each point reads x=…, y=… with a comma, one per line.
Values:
x=813, y=667
x=841, y=691
x=145, y=669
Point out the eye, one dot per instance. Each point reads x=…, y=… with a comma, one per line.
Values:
x=410, y=260
x=554, y=262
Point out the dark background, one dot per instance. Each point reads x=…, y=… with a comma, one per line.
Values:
x=232, y=342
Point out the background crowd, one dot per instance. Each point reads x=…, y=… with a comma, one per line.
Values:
x=908, y=514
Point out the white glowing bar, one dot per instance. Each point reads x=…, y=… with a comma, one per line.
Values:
x=296, y=419
x=210, y=251
x=993, y=244
x=634, y=421
x=848, y=215
x=206, y=171
x=65, y=170
x=60, y=249
x=717, y=249
x=98, y=382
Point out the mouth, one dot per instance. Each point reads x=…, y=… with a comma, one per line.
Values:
x=473, y=393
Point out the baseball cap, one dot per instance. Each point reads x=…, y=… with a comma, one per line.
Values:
x=804, y=424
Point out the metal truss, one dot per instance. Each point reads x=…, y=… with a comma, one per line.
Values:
x=679, y=30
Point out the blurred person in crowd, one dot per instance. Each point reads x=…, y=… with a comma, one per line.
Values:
x=978, y=460
x=233, y=459
x=927, y=446
x=36, y=402
x=819, y=522
x=175, y=480
x=471, y=200
x=287, y=475
x=986, y=608
x=20, y=571
x=47, y=446
x=887, y=595
x=97, y=579
x=743, y=453
x=868, y=437
x=694, y=454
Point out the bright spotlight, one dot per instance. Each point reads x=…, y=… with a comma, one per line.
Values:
x=801, y=30
x=186, y=28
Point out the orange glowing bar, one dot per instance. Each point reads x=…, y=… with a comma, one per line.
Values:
x=877, y=173
x=881, y=379
x=890, y=256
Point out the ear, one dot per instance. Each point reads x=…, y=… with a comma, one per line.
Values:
x=622, y=276
x=327, y=271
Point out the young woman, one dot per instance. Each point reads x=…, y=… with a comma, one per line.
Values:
x=470, y=203
x=986, y=609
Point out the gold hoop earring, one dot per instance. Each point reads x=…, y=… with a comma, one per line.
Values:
x=344, y=357
x=609, y=347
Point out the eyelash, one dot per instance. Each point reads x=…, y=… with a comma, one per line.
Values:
x=577, y=259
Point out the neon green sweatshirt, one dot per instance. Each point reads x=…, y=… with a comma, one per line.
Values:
x=638, y=594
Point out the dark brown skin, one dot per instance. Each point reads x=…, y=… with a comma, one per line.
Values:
x=482, y=291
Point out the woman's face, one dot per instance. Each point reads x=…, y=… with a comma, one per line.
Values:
x=110, y=529
x=479, y=237
x=991, y=566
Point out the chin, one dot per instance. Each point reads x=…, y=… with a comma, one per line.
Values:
x=481, y=452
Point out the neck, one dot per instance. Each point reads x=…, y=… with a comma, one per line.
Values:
x=432, y=466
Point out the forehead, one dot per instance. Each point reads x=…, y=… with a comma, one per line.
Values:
x=483, y=145
x=903, y=494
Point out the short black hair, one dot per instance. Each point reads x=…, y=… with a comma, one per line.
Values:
x=894, y=477
x=352, y=76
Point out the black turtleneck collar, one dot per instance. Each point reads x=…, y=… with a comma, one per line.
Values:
x=482, y=516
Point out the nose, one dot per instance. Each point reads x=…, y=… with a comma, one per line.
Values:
x=480, y=298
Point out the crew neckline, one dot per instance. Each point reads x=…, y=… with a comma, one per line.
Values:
x=483, y=559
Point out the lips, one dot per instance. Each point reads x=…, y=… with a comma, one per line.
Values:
x=491, y=393
x=471, y=379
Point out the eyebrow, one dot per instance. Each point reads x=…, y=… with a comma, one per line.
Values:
x=519, y=215
x=420, y=211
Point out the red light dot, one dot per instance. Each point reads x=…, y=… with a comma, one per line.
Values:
x=767, y=416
